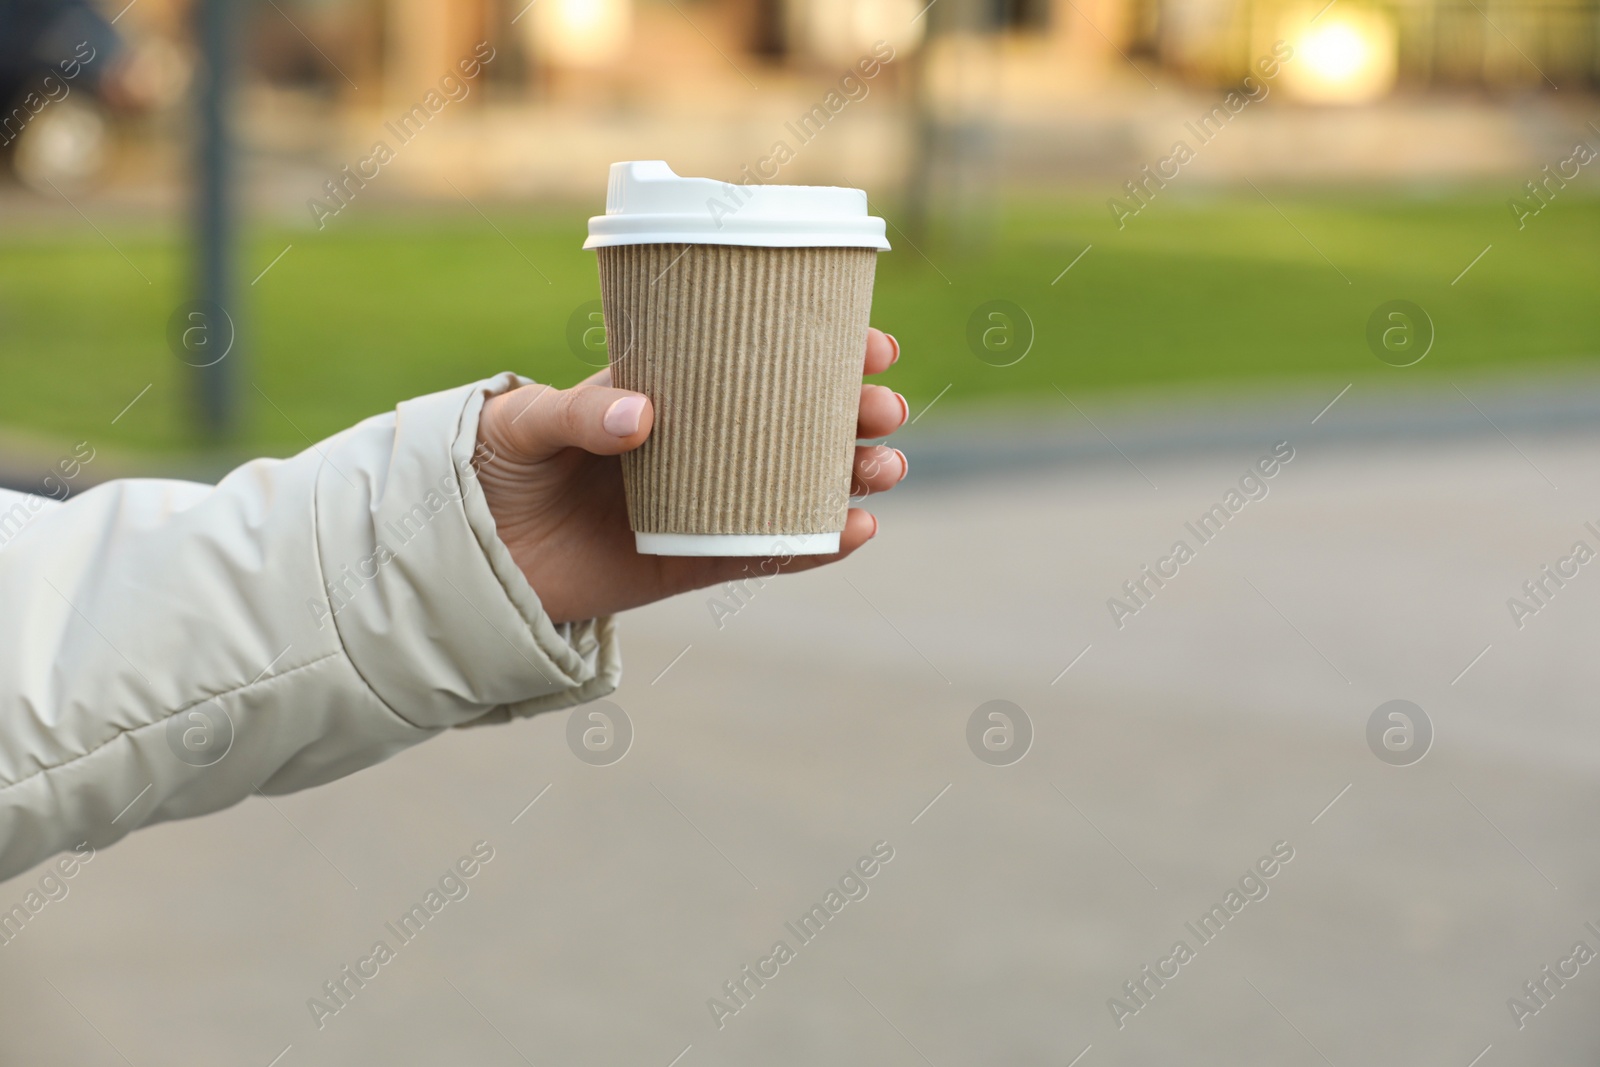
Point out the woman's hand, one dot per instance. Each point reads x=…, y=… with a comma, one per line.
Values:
x=553, y=482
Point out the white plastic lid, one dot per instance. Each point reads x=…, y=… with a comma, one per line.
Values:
x=647, y=204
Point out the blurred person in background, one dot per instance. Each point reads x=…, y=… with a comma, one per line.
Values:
x=63, y=69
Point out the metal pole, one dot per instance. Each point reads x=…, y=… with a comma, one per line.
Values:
x=951, y=174
x=925, y=154
x=216, y=30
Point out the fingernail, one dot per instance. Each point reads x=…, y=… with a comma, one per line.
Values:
x=896, y=357
x=905, y=464
x=622, y=417
x=874, y=532
x=905, y=408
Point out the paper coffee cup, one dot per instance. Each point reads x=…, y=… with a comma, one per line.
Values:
x=741, y=312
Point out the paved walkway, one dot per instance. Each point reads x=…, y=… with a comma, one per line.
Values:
x=1228, y=717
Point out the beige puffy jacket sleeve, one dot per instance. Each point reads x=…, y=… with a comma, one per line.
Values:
x=167, y=648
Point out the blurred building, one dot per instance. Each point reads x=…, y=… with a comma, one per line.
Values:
x=613, y=47
x=1048, y=88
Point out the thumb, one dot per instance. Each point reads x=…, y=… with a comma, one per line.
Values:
x=537, y=421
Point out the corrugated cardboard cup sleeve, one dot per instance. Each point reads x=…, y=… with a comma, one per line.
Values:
x=752, y=358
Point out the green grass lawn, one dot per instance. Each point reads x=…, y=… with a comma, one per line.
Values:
x=1197, y=289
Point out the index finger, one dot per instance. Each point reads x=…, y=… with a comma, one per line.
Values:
x=882, y=351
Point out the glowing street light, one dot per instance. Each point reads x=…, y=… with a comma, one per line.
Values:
x=580, y=33
x=1347, y=56
x=842, y=31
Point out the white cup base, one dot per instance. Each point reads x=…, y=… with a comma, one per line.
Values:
x=676, y=544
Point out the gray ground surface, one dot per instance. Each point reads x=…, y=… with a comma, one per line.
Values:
x=829, y=712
